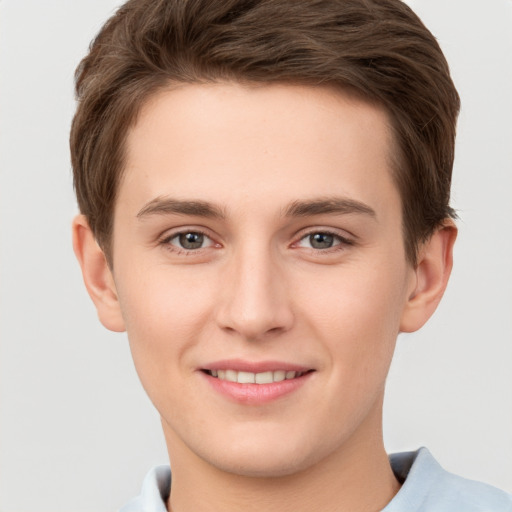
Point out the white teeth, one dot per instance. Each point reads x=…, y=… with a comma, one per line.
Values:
x=255, y=378
x=231, y=375
x=246, y=378
x=279, y=375
x=264, y=378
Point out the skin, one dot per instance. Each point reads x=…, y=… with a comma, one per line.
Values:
x=260, y=288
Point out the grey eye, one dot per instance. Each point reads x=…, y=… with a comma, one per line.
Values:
x=188, y=241
x=321, y=240
x=191, y=240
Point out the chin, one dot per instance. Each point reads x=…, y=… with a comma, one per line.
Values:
x=260, y=467
x=264, y=459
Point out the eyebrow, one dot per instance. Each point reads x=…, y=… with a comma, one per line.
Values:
x=167, y=205
x=329, y=205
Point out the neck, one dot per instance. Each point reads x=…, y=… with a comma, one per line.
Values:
x=356, y=478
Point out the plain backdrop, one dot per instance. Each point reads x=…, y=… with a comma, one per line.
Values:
x=77, y=433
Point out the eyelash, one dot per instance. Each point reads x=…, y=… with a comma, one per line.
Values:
x=340, y=244
x=166, y=241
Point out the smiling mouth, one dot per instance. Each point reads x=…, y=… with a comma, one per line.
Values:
x=268, y=377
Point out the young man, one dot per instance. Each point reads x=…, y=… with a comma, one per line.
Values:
x=264, y=193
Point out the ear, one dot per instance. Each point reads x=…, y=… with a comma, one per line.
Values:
x=435, y=260
x=97, y=275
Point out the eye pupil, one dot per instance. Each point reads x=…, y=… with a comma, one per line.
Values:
x=191, y=240
x=321, y=240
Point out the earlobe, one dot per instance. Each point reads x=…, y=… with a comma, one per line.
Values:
x=435, y=261
x=97, y=275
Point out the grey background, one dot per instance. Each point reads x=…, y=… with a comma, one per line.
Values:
x=77, y=432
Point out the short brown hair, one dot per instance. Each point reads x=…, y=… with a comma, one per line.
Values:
x=378, y=48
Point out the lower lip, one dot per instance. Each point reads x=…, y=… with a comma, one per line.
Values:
x=256, y=394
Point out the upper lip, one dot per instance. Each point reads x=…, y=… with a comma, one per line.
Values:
x=254, y=366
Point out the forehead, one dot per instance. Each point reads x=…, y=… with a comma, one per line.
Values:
x=236, y=145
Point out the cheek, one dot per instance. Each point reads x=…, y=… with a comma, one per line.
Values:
x=357, y=315
x=165, y=313
x=160, y=299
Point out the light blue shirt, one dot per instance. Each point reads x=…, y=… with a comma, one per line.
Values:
x=427, y=487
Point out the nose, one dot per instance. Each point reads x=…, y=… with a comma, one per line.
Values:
x=255, y=297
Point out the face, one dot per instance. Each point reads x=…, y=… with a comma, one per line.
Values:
x=259, y=265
